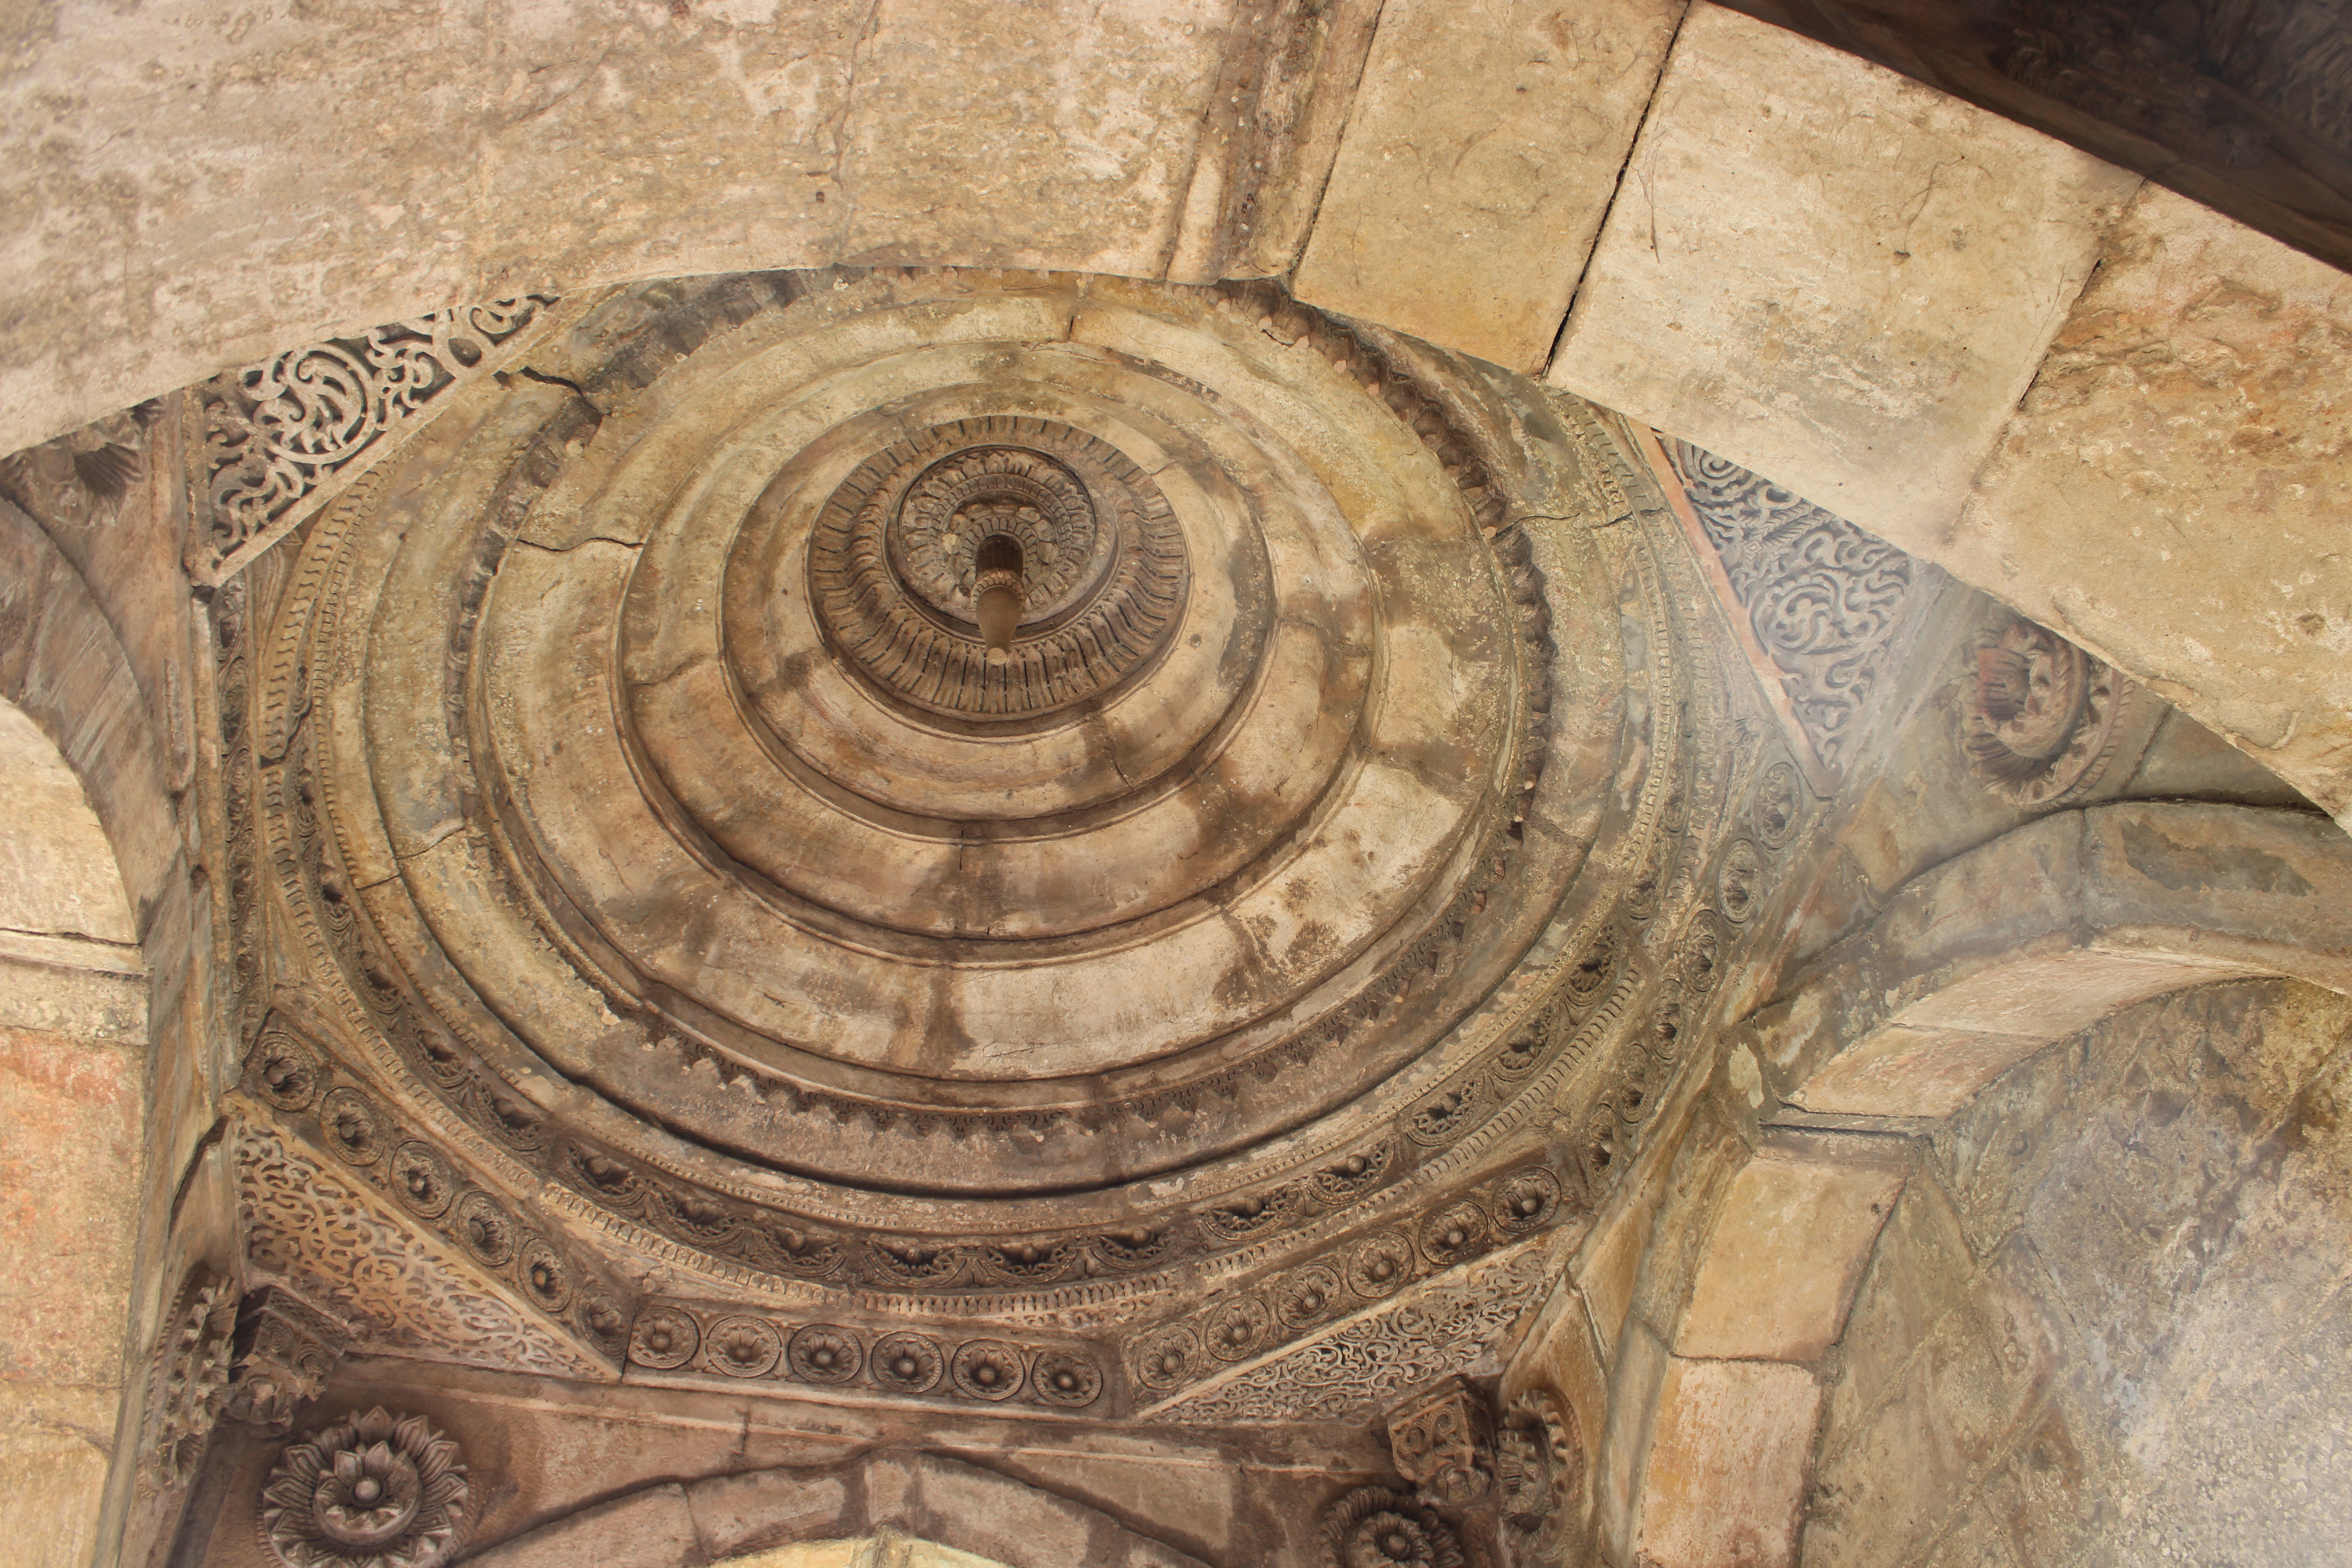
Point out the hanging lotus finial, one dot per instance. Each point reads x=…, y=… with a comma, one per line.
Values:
x=372, y=1492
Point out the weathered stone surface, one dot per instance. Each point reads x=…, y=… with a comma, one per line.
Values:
x=57, y=869
x=1061, y=137
x=1639, y=1369
x=865, y=1511
x=891, y=1551
x=1710, y=1159
x=68, y=1169
x=53, y=1460
x=89, y=990
x=1483, y=153
x=1726, y=1467
x=2232, y=104
x=1788, y=1248
x=1609, y=1263
x=564, y=146
x=62, y=666
x=1863, y=346
x=2171, y=493
x=735, y=1513
x=1562, y=1355
x=2102, y=1332
x=648, y=1529
x=70, y=1215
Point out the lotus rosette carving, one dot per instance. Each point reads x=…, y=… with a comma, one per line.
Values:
x=374, y=1490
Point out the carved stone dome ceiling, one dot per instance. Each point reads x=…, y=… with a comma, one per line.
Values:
x=1304, y=899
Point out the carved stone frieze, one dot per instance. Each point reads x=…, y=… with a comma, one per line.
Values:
x=2044, y=718
x=1823, y=599
x=374, y=1490
x=311, y=1226
x=756, y=1351
x=283, y=438
x=335, y=1113
x=1453, y=1324
x=229, y=618
x=1294, y=1304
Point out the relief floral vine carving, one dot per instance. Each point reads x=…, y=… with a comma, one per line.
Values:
x=311, y=1225
x=1443, y=1327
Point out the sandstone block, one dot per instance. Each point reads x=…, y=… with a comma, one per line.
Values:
x=1064, y=139
x=68, y=1169
x=1485, y=142
x=648, y=1529
x=1832, y=275
x=1787, y=1252
x=1727, y=1469
x=2172, y=494
x=86, y=990
x=53, y=1447
x=736, y=1513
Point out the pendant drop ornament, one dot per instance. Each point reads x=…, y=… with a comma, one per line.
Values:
x=997, y=581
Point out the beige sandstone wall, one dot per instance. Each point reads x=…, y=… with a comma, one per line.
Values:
x=194, y=186
x=106, y=980
x=72, y=1059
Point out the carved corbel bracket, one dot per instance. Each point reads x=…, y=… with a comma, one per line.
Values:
x=285, y=1350
x=1443, y=1443
x=253, y=1361
x=1478, y=1487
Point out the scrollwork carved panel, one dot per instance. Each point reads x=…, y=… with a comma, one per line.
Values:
x=309, y=1225
x=1823, y=599
x=1449, y=1326
x=284, y=437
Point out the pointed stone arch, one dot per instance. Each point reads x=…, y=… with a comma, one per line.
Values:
x=962, y=1515
x=92, y=909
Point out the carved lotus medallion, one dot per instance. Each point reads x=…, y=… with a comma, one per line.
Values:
x=2043, y=716
x=893, y=563
x=1373, y=1527
x=370, y=1491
